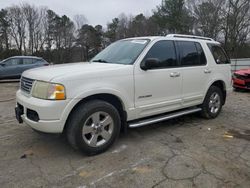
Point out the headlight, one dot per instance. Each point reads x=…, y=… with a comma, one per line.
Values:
x=49, y=91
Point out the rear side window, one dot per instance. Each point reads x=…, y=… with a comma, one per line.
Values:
x=27, y=61
x=38, y=61
x=219, y=54
x=164, y=51
x=191, y=53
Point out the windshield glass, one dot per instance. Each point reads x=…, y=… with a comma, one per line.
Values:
x=121, y=52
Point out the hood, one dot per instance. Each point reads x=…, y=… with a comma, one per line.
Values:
x=49, y=73
x=243, y=72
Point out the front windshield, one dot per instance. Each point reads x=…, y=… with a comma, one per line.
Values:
x=121, y=52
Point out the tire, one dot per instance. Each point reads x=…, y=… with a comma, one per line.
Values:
x=93, y=127
x=212, y=103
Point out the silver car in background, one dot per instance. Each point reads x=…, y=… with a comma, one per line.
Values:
x=13, y=67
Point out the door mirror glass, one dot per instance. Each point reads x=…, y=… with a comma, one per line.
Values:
x=150, y=63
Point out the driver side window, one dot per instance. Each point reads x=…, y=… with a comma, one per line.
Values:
x=164, y=51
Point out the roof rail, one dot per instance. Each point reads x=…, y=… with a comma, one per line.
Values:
x=189, y=36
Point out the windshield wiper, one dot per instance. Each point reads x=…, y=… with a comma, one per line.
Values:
x=100, y=61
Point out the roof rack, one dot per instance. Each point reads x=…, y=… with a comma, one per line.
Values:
x=189, y=36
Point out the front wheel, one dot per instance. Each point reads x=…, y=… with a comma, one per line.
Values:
x=212, y=104
x=93, y=127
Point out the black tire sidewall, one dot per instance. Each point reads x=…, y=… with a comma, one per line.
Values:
x=87, y=110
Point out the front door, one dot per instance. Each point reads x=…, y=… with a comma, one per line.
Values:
x=158, y=90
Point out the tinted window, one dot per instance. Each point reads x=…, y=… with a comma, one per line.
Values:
x=164, y=51
x=219, y=54
x=37, y=61
x=202, y=57
x=191, y=53
x=13, y=62
x=28, y=61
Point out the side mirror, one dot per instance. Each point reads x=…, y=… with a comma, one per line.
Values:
x=150, y=63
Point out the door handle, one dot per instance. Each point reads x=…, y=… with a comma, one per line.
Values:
x=175, y=74
x=207, y=71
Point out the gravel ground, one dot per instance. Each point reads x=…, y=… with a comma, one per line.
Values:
x=181, y=153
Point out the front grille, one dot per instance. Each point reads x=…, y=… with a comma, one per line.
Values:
x=26, y=84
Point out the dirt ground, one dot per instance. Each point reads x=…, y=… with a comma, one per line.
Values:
x=181, y=153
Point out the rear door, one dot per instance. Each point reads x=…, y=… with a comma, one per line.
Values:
x=195, y=71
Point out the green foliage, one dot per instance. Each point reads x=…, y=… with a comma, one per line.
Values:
x=173, y=17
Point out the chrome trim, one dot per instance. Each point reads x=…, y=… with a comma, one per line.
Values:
x=162, y=118
x=26, y=84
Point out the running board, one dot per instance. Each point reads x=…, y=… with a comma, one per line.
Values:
x=162, y=118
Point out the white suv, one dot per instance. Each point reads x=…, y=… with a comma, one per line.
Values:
x=131, y=83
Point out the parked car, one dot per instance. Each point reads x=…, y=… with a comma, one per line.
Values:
x=13, y=67
x=241, y=79
x=132, y=83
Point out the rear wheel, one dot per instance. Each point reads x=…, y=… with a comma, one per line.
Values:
x=93, y=127
x=212, y=104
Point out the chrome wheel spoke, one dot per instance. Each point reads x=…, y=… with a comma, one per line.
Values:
x=87, y=129
x=210, y=104
x=96, y=117
x=214, y=103
x=107, y=121
x=216, y=96
x=93, y=140
x=105, y=135
x=98, y=129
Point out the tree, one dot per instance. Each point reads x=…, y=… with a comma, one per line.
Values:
x=80, y=20
x=89, y=40
x=4, y=29
x=50, y=27
x=208, y=18
x=17, y=27
x=172, y=16
x=112, y=29
x=138, y=26
x=236, y=25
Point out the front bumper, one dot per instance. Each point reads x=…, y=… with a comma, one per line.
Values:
x=242, y=84
x=49, y=113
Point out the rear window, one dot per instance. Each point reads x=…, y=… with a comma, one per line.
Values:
x=191, y=53
x=219, y=54
x=38, y=61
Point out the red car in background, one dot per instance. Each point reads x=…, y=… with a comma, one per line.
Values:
x=241, y=79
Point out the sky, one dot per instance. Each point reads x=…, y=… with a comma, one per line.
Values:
x=96, y=11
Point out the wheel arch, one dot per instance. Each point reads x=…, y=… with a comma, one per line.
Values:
x=107, y=97
x=222, y=85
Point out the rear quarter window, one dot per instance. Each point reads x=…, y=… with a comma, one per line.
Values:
x=219, y=54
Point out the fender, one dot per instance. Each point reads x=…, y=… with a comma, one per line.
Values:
x=89, y=93
x=211, y=83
